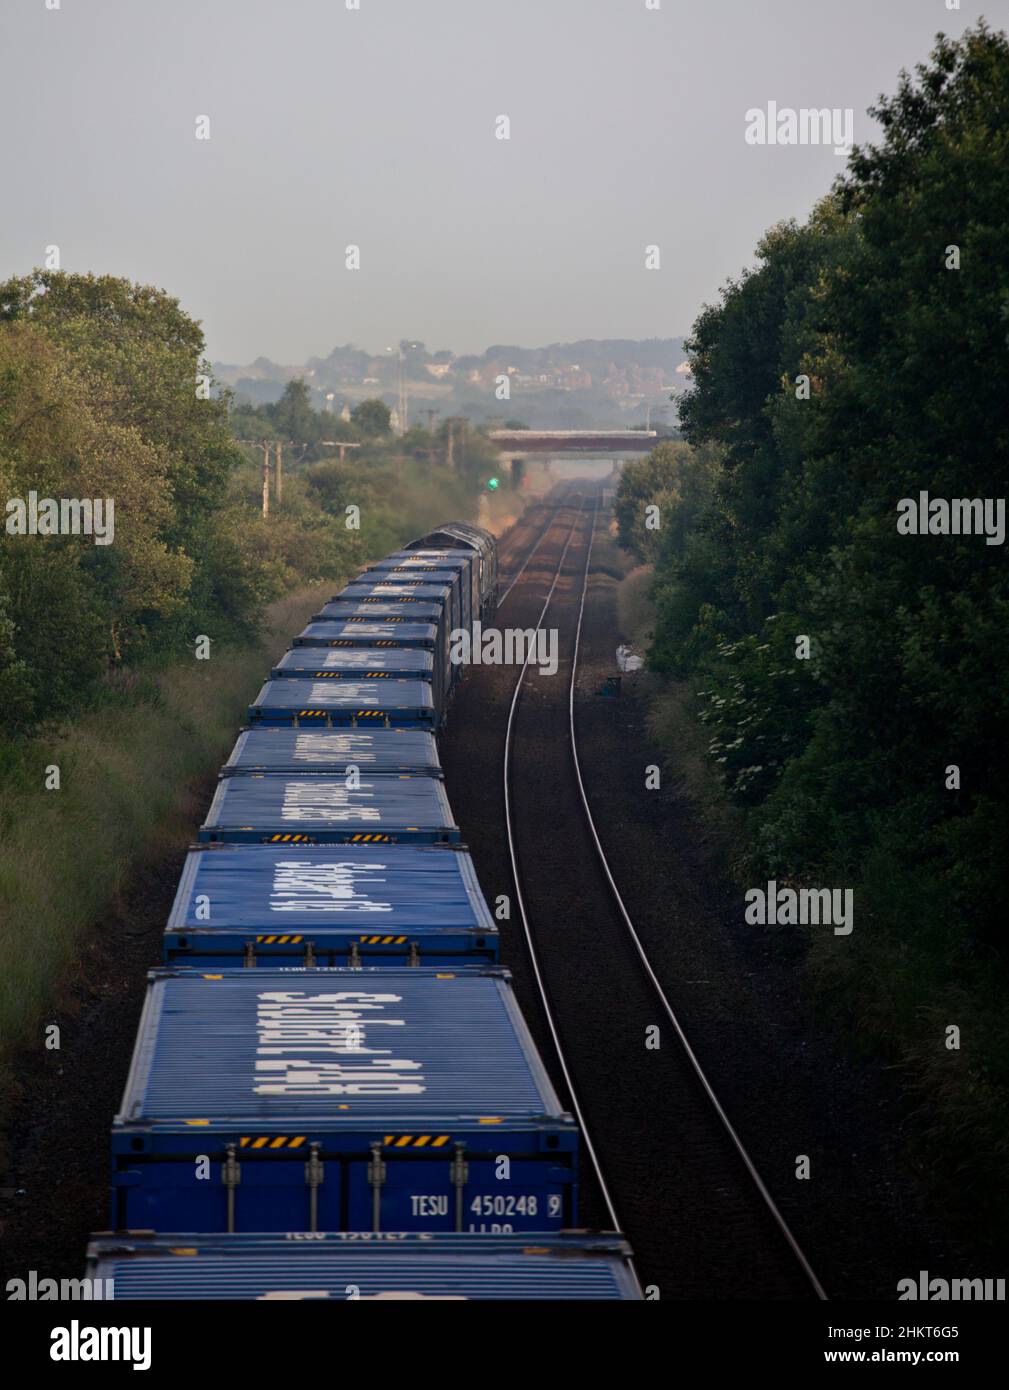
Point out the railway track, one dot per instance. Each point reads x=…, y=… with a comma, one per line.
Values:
x=664, y=1163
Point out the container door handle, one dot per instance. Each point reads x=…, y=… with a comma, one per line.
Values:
x=231, y=1174
x=458, y=1177
x=376, y=1177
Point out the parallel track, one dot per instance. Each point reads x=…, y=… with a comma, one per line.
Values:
x=768, y=1246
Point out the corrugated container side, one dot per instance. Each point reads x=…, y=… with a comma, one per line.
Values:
x=331, y=752
x=387, y=702
x=326, y=905
x=372, y=1099
x=335, y=1265
x=278, y=808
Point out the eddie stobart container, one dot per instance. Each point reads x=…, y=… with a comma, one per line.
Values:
x=410, y=598
x=366, y=632
x=271, y=905
x=329, y=626
x=454, y=580
x=298, y=1265
x=283, y=809
x=355, y=663
x=332, y=752
x=376, y=700
x=370, y=664
x=341, y=610
x=339, y=1100
x=420, y=563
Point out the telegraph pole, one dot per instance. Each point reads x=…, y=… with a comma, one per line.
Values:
x=266, y=478
x=280, y=471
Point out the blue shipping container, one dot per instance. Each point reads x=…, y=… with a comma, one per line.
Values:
x=381, y=701
x=410, y=579
x=456, y=581
x=273, y=748
x=358, y=1100
x=358, y=663
x=343, y=612
x=447, y=596
x=325, y=905
x=365, y=633
x=412, y=611
x=340, y=1265
x=364, y=663
x=463, y=562
x=386, y=591
x=278, y=808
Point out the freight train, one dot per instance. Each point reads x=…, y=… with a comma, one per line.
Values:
x=333, y=1088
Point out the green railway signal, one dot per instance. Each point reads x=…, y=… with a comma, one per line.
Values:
x=493, y=484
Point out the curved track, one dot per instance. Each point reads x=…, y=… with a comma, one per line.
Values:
x=651, y=1118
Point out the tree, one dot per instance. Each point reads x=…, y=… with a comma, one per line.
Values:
x=293, y=415
x=372, y=417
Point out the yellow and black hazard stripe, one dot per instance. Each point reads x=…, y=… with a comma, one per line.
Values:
x=289, y=839
x=351, y=675
x=370, y=714
x=357, y=618
x=271, y=1141
x=384, y=940
x=370, y=839
x=280, y=940
x=416, y=1141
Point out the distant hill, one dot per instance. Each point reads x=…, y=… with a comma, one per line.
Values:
x=591, y=383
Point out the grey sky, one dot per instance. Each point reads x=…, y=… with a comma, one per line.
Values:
x=376, y=127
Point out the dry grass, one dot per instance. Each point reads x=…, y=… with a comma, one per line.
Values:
x=128, y=773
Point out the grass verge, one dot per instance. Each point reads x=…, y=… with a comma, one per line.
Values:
x=129, y=773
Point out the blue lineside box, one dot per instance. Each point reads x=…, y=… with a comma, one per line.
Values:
x=357, y=1100
x=342, y=1265
x=382, y=702
x=333, y=752
x=280, y=808
x=325, y=905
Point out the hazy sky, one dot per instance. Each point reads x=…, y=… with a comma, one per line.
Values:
x=376, y=126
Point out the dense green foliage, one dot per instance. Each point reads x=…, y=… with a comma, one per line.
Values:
x=105, y=393
x=842, y=758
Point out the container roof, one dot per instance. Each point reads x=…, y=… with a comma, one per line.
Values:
x=338, y=1047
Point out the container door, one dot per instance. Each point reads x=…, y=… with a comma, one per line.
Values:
x=455, y=1193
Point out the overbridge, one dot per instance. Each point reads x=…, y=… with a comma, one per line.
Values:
x=586, y=443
